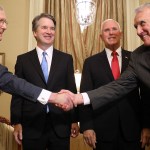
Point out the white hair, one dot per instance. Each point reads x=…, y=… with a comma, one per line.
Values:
x=110, y=20
x=141, y=7
x=1, y=8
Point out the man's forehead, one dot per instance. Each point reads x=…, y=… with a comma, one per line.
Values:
x=2, y=14
x=110, y=26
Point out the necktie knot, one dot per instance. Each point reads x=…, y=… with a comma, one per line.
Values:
x=114, y=53
x=44, y=54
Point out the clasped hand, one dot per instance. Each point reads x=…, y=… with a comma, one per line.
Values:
x=66, y=99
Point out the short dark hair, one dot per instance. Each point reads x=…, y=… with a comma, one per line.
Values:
x=42, y=15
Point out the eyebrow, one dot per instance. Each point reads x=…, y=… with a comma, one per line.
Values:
x=4, y=20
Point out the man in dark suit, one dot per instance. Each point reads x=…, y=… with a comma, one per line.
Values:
x=118, y=127
x=14, y=85
x=137, y=74
x=37, y=126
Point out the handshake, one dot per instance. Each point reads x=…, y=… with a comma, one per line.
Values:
x=66, y=99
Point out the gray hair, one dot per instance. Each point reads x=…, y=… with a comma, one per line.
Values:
x=140, y=8
x=1, y=8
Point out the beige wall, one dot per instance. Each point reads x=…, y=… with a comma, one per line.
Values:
x=144, y=1
x=15, y=40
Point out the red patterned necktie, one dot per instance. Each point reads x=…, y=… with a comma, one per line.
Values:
x=115, y=65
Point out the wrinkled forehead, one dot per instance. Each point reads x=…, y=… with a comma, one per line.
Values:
x=109, y=23
x=142, y=15
x=2, y=14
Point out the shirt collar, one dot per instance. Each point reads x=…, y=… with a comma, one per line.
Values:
x=108, y=52
x=49, y=51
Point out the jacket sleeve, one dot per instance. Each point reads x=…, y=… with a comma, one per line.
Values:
x=13, y=85
x=86, y=112
x=115, y=90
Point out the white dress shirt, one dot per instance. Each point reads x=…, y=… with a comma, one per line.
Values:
x=49, y=55
x=45, y=94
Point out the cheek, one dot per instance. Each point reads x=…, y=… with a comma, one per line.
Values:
x=105, y=40
x=149, y=30
x=53, y=33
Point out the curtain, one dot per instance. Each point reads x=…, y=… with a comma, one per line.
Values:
x=35, y=8
x=69, y=38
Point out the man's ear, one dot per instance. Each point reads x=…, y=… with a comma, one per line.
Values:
x=34, y=34
x=121, y=34
x=100, y=36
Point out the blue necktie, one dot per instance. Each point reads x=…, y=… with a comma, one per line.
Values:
x=44, y=66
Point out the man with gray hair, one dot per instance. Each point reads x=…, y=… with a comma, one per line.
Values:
x=115, y=128
x=14, y=85
x=137, y=74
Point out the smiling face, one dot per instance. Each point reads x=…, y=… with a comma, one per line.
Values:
x=3, y=25
x=45, y=33
x=111, y=34
x=142, y=25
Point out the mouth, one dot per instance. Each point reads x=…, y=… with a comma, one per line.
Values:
x=1, y=33
x=48, y=37
x=144, y=37
x=112, y=38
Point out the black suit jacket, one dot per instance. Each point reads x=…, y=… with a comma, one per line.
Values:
x=32, y=116
x=137, y=74
x=11, y=84
x=107, y=120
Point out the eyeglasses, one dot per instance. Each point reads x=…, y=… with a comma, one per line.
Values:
x=2, y=21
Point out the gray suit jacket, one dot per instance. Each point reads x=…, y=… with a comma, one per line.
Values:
x=11, y=84
x=137, y=74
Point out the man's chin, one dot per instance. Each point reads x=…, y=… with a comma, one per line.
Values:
x=147, y=43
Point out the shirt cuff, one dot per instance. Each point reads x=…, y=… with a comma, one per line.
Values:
x=44, y=96
x=86, y=98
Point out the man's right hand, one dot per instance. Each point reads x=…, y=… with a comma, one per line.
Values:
x=90, y=138
x=66, y=99
x=76, y=98
x=18, y=133
x=62, y=100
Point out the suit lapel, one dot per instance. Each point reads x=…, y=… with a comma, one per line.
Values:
x=35, y=61
x=125, y=60
x=55, y=61
x=106, y=65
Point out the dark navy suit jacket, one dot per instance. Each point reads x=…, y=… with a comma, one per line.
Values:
x=124, y=115
x=31, y=115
